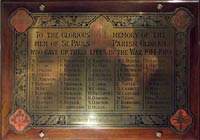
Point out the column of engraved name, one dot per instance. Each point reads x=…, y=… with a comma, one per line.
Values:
x=100, y=83
x=129, y=80
x=72, y=83
x=158, y=84
x=43, y=83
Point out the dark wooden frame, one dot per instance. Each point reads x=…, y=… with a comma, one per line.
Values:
x=8, y=7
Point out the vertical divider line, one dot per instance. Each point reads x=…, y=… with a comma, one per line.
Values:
x=115, y=77
x=143, y=83
x=60, y=80
x=58, y=70
x=86, y=86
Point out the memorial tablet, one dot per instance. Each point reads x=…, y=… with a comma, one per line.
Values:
x=101, y=70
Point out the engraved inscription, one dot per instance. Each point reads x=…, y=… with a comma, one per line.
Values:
x=101, y=69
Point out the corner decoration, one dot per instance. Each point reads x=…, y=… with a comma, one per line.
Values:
x=19, y=121
x=182, y=21
x=21, y=20
x=181, y=120
x=25, y=114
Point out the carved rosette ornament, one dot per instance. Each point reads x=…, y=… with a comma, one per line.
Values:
x=182, y=20
x=19, y=120
x=181, y=121
x=21, y=20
